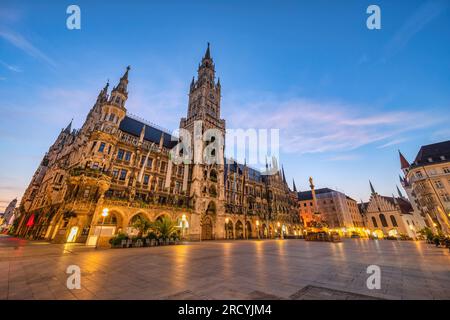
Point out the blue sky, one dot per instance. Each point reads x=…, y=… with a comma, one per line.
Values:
x=344, y=97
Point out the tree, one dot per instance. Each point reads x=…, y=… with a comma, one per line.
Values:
x=427, y=233
x=142, y=225
x=164, y=227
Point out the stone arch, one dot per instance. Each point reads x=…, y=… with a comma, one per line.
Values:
x=265, y=231
x=213, y=175
x=211, y=209
x=239, y=230
x=229, y=230
x=248, y=230
x=161, y=215
x=115, y=218
x=130, y=229
x=207, y=228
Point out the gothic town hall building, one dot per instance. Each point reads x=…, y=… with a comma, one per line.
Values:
x=120, y=162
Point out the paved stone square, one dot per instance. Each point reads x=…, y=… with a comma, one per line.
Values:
x=269, y=269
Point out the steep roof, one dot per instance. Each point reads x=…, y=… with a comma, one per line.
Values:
x=405, y=205
x=436, y=152
x=134, y=126
x=307, y=195
x=253, y=174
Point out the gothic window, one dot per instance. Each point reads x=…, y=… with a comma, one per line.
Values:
x=111, y=117
x=115, y=173
x=120, y=154
x=101, y=147
x=146, y=178
x=383, y=220
x=123, y=174
x=394, y=222
x=374, y=221
x=149, y=162
x=127, y=156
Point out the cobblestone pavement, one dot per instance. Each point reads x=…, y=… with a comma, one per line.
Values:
x=269, y=269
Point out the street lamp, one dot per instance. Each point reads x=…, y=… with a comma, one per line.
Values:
x=104, y=215
x=226, y=227
x=183, y=225
x=278, y=228
x=257, y=228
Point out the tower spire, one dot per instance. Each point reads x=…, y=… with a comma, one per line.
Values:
x=404, y=164
x=207, y=53
x=282, y=170
x=399, y=192
x=123, y=83
x=372, y=189
x=69, y=127
x=293, y=185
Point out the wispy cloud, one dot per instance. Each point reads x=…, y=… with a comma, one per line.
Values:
x=26, y=46
x=308, y=126
x=426, y=13
x=10, y=67
x=344, y=157
x=392, y=143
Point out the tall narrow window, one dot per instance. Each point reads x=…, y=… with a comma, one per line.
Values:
x=101, y=147
x=123, y=174
x=394, y=222
x=374, y=221
x=120, y=154
x=383, y=220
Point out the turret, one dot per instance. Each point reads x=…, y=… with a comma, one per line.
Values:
x=404, y=164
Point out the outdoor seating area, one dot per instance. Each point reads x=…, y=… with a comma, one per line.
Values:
x=323, y=236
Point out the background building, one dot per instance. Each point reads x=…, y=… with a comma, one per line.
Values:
x=8, y=217
x=391, y=216
x=336, y=209
x=122, y=163
x=427, y=183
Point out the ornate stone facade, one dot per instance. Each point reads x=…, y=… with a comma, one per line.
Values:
x=120, y=162
x=427, y=184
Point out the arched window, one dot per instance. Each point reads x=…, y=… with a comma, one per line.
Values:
x=374, y=221
x=383, y=220
x=213, y=176
x=394, y=222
